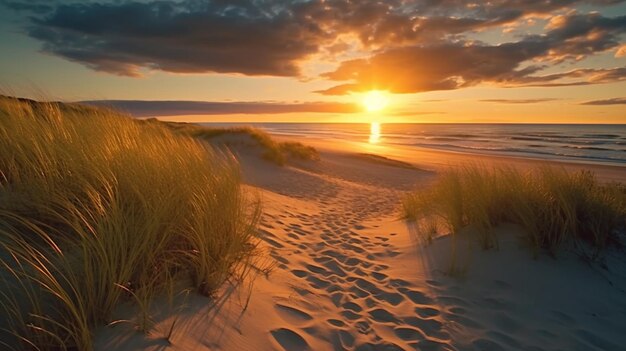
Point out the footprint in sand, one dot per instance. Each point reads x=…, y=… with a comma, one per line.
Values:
x=357, y=293
x=362, y=327
x=349, y=315
x=299, y=273
x=290, y=340
x=379, y=276
x=292, y=315
x=336, y=322
x=417, y=297
x=430, y=327
x=352, y=306
x=274, y=243
x=317, y=283
x=334, y=267
x=398, y=283
x=382, y=346
x=408, y=334
x=391, y=298
x=279, y=258
x=317, y=269
x=368, y=286
x=427, y=312
x=382, y=315
x=346, y=339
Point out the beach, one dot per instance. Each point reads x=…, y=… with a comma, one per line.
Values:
x=348, y=273
x=313, y=175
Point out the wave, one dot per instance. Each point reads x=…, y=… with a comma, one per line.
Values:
x=603, y=144
x=604, y=136
x=587, y=148
x=570, y=141
x=518, y=151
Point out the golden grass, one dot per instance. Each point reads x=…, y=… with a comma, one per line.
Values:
x=97, y=209
x=273, y=151
x=555, y=207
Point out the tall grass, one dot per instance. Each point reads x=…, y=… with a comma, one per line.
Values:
x=556, y=208
x=273, y=151
x=97, y=209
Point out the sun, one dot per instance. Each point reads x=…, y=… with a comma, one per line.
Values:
x=375, y=100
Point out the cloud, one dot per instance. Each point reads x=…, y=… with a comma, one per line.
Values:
x=575, y=36
x=181, y=37
x=517, y=101
x=463, y=64
x=427, y=40
x=614, y=101
x=379, y=23
x=143, y=108
x=33, y=6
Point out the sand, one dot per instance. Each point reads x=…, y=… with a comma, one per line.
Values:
x=349, y=275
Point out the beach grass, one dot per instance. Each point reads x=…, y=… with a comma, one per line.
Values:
x=273, y=151
x=97, y=209
x=556, y=208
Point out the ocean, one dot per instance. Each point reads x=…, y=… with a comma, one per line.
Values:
x=598, y=144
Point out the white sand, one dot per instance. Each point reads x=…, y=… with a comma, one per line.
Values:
x=348, y=275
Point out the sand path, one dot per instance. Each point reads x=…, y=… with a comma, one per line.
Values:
x=361, y=283
x=345, y=294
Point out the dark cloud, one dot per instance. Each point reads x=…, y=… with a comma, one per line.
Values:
x=416, y=45
x=463, y=64
x=614, y=101
x=141, y=108
x=33, y=6
x=517, y=101
x=183, y=37
x=420, y=69
x=379, y=23
x=576, y=36
x=583, y=76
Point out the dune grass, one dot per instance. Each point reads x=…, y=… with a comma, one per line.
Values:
x=97, y=209
x=555, y=208
x=273, y=151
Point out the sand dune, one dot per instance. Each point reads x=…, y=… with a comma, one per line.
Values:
x=349, y=275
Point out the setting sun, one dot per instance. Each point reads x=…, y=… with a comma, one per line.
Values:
x=375, y=101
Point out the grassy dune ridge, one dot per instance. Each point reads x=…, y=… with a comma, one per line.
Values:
x=97, y=209
x=276, y=152
x=555, y=208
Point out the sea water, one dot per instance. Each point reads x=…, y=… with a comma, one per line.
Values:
x=598, y=144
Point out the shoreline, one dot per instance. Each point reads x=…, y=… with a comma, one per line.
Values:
x=435, y=160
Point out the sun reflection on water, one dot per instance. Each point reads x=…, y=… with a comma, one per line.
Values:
x=374, y=133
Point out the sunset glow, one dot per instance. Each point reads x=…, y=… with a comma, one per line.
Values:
x=263, y=61
x=375, y=101
x=331, y=172
x=374, y=133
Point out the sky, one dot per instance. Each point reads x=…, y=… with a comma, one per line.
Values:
x=448, y=61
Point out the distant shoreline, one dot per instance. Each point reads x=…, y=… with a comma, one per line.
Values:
x=425, y=158
x=590, y=144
